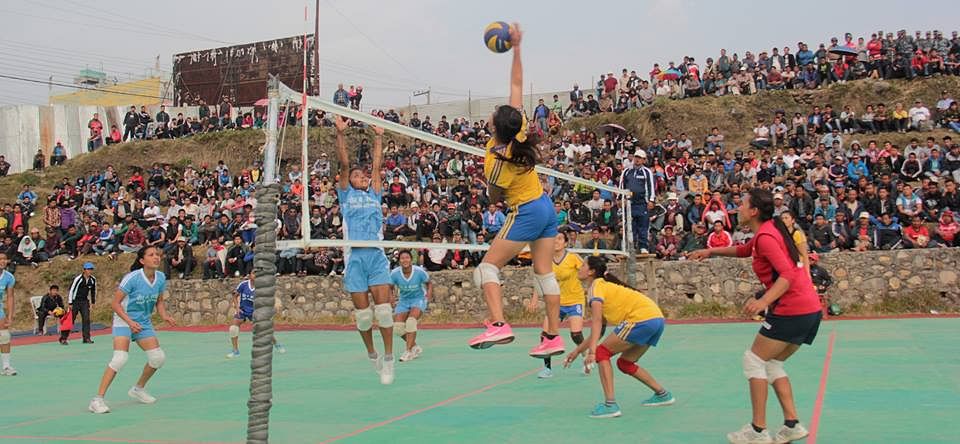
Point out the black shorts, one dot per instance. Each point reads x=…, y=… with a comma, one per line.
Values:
x=801, y=329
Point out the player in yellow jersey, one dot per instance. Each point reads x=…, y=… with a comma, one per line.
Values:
x=639, y=324
x=509, y=169
x=566, y=266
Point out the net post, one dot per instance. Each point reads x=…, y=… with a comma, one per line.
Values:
x=628, y=241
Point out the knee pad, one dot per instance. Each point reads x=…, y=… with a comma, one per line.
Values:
x=753, y=366
x=400, y=328
x=411, y=325
x=364, y=318
x=627, y=366
x=577, y=337
x=603, y=354
x=775, y=370
x=384, y=314
x=486, y=273
x=234, y=331
x=4, y=337
x=546, y=284
x=119, y=360
x=156, y=357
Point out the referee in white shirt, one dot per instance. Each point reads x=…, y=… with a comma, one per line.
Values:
x=83, y=294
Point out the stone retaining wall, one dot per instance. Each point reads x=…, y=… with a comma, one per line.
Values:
x=859, y=278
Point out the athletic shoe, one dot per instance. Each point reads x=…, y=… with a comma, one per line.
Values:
x=386, y=375
x=8, y=371
x=747, y=435
x=417, y=350
x=141, y=395
x=493, y=336
x=655, y=400
x=97, y=405
x=548, y=348
x=406, y=356
x=546, y=373
x=788, y=434
x=233, y=354
x=279, y=348
x=644, y=251
x=602, y=410
x=377, y=363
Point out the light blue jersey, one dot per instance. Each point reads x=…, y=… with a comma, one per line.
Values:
x=362, y=216
x=413, y=287
x=140, y=297
x=6, y=282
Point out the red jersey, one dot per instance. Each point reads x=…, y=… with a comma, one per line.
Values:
x=771, y=261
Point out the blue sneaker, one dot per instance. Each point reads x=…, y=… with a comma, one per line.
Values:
x=546, y=373
x=279, y=348
x=654, y=401
x=233, y=354
x=604, y=410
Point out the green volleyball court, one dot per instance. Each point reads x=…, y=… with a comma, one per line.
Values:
x=886, y=381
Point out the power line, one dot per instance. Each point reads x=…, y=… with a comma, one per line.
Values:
x=66, y=85
x=202, y=37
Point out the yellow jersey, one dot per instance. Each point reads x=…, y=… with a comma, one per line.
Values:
x=520, y=185
x=571, y=291
x=622, y=304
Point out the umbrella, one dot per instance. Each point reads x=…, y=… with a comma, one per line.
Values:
x=612, y=127
x=843, y=50
x=262, y=102
x=670, y=74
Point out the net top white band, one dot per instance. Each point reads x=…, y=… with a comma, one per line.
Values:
x=316, y=103
x=340, y=243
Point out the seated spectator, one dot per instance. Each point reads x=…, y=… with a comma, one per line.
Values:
x=668, y=247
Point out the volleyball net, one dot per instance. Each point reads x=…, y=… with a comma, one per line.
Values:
x=282, y=95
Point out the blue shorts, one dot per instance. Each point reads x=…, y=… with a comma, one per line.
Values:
x=244, y=315
x=531, y=221
x=405, y=305
x=641, y=333
x=570, y=310
x=146, y=332
x=365, y=268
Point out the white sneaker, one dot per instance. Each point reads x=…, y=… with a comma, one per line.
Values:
x=97, y=405
x=141, y=395
x=386, y=374
x=406, y=356
x=747, y=435
x=417, y=351
x=644, y=251
x=377, y=363
x=788, y=434
x=8, y=371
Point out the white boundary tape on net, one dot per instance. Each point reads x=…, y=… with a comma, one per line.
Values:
x=286, y=93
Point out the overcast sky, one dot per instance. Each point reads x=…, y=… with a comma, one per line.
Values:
x=395, y=47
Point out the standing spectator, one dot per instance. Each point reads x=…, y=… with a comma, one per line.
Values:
x=96, y=133
x=4, y=166
x=640, y=181
x=130, y=122
x=341, y=97
x=59, y=154
x=82, y=294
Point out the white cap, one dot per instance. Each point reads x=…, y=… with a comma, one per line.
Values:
x=640, y=153
x=671, y=196
x=778, y=196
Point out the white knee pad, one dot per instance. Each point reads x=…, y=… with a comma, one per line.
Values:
x=753, y=366
x=119, y=360
x=156, y=357
x=4, y=337
x=775, y=370
x=234, y=331
x=400, y=328
x=411, y=326
x=545, y=284
x=384, y=314
x=486, y=273
x=364, y=318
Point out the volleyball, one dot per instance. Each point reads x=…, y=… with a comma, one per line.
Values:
x=497, y=37
x=58, y=312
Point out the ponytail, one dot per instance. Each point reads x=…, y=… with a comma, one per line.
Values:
x=787, y=239
x=137, y=264
x=512, y=130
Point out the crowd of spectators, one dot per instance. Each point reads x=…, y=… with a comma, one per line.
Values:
x=845, y=186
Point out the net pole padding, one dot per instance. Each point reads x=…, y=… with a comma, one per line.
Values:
x=304, y=153
x=327, y=106
x=273, y=114
x=340, y=243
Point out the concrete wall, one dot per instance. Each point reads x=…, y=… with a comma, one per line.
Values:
x=859, y=278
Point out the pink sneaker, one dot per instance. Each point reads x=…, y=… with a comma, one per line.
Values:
x=494, y=335
x=548, y=348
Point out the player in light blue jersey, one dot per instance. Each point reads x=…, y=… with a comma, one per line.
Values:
x=7, y=281
x=412, y=288
x=243, y=305
x=367, y=269
x=142, y=290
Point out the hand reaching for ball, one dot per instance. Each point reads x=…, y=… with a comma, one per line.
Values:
x=515, y=34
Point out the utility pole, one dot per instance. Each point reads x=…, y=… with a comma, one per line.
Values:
x=423, y=92
x=531, y=97
x=469, y=106
x=316, y=44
